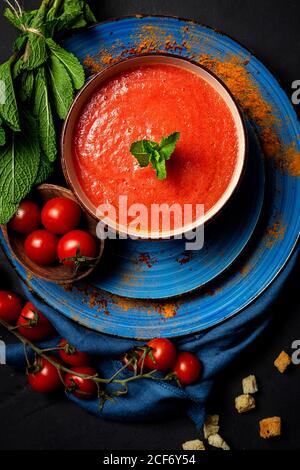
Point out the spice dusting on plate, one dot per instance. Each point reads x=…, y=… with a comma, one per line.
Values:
x=275, y=233
x=168, y=310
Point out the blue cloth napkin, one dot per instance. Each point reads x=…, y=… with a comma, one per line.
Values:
x=148, y=399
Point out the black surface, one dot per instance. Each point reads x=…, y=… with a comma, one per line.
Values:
x=31, y=421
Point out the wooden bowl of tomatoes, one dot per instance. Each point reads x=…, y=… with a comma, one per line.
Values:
x=52, y=238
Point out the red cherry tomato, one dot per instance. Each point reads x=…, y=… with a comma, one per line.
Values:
x=10, y=306
x=60, y=215
x=80, y=387
x=163, y=352
x=41, y=247
x=76, y=244
x=70, y=355
x=187, y=368
x=33, y=325
x=44, y=377
x=27, y=218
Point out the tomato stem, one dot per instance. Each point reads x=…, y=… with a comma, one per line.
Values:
x=61, y=368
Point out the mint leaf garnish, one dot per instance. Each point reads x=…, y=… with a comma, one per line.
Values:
x=147, y=151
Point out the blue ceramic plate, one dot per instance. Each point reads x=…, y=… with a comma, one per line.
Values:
x=162, y=269
x=278, y=228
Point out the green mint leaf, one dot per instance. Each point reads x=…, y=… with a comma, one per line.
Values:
x=61, y=23
x=139, y=151
x=8, y=104
x=20, y=43
x=84, y=13
x=17, y=68
x=160, y=168
x=89, y=15
x=62, y=87
x=70, y=62
x=7, y=209
x=147, y=151
x=35, y=53
x=19, y=162
x=26, y=85
x=12, y=18
x=43, y=114
x=25, y=19
x=168, y=144
x=2, y=134
x=45, y=170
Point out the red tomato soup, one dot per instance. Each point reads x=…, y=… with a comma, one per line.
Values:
x=149, y=102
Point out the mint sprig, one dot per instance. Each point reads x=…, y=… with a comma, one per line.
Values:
x=148, y=151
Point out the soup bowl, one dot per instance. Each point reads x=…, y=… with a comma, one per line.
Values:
x=221, y=96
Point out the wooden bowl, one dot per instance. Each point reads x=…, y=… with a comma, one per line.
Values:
x=58, y=273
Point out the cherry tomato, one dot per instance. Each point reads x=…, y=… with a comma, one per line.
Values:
x=10, y=306
x=43, y=376
x=76, y=244
x=163, y=352
x=60, y=215
x=80, y=387
x=187, y=368
x=27, y=218
x=70, y=355
x=41, y=247
x=33, y=325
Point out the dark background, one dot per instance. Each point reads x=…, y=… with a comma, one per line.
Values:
x=30, y=421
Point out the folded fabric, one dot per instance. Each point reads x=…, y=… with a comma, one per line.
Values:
x=147, y=399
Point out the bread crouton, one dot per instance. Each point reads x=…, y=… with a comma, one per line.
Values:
x=270, y=427
x=244, y=403
x=217, y=441
x=211, y=425
x=249, y=384
x=282, y=361
x=196, y=444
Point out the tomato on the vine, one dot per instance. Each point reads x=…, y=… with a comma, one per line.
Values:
x=10, y=306
x=41, y=247
x=60, y=215
x=70, y=355
x=80, y=387
x=76, y=247
x=43, y=376
x=33, y=325
x=27, y=218
x=187, y=368
x=162, y=354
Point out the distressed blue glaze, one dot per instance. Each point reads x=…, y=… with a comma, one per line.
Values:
x=258, y=266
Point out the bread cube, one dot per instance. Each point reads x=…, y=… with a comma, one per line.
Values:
x=270, y=427
x=211, y=425
x=244, y=403
x=196, y=444
x=282, y=361
x=249, y=384
x=217, y=441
